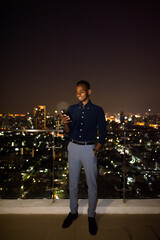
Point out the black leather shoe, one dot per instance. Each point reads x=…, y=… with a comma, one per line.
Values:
x=69, y=219
x=92, y=225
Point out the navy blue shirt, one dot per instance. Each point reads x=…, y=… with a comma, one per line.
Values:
x=85, y=121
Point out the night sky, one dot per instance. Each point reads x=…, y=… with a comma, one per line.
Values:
x=47, y=47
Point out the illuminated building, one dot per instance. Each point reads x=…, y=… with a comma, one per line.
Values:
x=27, y=159
x=39, y=115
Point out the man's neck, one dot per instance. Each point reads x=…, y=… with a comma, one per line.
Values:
x=85, y=102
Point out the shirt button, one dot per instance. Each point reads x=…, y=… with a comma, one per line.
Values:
x=81, y=123
x=82, y=112
x=80, y=136
x=81, y=130
x=82, y=117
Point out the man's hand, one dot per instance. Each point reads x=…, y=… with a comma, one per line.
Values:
x=65, y=118
x=96, y=149
x=95, y=152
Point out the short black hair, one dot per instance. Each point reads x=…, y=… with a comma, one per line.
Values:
x=85, y=83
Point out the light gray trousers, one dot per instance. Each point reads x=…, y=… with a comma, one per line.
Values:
x=78, y=156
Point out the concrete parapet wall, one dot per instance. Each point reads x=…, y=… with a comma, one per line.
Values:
x=61, y=206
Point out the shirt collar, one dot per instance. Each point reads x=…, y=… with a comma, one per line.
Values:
x=86, y=106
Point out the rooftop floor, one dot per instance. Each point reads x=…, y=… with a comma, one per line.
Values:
x=110, y=226
x=42, y=219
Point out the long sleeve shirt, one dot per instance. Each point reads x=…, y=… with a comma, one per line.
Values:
x=85, y=121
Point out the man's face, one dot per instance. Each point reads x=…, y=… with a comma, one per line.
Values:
x=82, y=93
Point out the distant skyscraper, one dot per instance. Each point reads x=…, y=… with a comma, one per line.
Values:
x=40, y=117
x=122, y=116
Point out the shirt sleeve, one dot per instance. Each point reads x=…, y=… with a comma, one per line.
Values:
x=102, y=126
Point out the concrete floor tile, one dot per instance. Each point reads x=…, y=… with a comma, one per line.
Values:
x=102, y=234
x=16, y=233
x=61, y=234
x=140, y=233
x=156, y=231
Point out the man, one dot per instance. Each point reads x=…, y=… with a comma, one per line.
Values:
x=81, y=122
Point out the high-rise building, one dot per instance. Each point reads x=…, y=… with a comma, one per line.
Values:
x=122, y=117
x=39, y=114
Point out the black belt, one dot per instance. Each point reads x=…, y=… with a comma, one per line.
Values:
x=82, y=143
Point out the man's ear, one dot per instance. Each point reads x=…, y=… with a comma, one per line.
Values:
x=89, y=92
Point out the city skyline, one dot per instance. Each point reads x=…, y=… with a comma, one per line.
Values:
x=40, y=119
x=27, y=161
x=63, y=106
x=47, y=48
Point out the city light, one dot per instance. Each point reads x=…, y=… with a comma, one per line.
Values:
x=28, y=156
